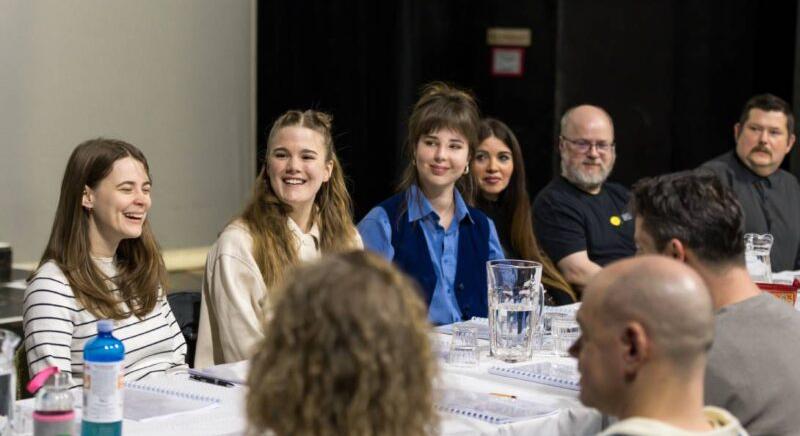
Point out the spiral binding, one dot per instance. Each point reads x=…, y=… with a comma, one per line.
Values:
x=491, y=419
x=527, y=373
x=171, y=392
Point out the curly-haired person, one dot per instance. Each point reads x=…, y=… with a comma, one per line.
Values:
x=345, y=353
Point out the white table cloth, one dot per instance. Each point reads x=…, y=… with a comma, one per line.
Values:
x=228, y=418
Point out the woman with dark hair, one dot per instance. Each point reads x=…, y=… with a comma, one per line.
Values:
x=102, y=262
x=499, y=172
x=346, y=353
x=299, y=210
x=428, y=229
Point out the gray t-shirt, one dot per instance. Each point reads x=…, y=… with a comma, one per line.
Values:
x=754, y=365
x=770, y=204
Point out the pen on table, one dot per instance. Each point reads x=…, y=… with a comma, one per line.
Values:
x=497, y=394
x=212, y=380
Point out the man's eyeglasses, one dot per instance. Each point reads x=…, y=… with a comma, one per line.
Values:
x=583, y=145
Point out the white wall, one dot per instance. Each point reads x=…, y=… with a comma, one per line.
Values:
x=176, y=78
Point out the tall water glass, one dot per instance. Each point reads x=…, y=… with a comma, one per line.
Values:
x=515, y=305
x=756, y=252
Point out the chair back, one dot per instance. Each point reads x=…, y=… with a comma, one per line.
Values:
x=186, y=308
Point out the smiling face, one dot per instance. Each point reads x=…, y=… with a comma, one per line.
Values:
x=763, y=141
x=441, y=158
x=118, y=206
x=493, y=166
x=297, y=165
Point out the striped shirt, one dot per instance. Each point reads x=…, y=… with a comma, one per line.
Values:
x=57, y=327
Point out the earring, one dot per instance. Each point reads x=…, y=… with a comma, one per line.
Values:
x=466, y=170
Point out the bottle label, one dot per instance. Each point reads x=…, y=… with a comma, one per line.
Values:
x=102, y=391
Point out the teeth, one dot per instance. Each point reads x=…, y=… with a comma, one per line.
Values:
x=293, y=181
x=134, y=215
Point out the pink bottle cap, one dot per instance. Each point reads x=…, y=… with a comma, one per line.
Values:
x=40, y=378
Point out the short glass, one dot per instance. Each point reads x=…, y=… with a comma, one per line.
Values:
x=543, y=338
x=464, y=346
x=565, y=333
x=756, y=253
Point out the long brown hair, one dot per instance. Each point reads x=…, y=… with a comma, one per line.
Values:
x=515, y=205
x=265, y=214
x=141, y=271
x=346, y=353
x=442, y=106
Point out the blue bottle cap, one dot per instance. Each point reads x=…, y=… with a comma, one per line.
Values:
x=105, y=326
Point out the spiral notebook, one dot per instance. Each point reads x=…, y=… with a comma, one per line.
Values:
x=492, y=408
x=546, y=373
x=143, y=401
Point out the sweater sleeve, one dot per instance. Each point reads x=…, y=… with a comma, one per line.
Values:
x=48, y=309
x=236, y=293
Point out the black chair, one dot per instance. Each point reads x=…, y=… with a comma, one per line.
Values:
x=186, y=308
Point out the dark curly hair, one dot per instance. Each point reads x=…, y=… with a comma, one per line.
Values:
x=345, y=353
x=695, y=208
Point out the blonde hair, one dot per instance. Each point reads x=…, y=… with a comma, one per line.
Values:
x=141, y=268
x=346, y=353
x=442, y=106
x=265, y=214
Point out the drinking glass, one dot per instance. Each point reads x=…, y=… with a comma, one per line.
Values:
x=565, y=333
x=8, y=384
x=464, y=346
x=756, y=252
x=515, y=299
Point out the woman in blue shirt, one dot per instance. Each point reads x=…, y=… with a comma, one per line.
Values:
x=427, y=229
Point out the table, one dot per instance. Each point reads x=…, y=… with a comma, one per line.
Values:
x=228, y=419
x=572, y=418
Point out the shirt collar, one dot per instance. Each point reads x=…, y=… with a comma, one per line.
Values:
x=419, y=207
x=298, y=232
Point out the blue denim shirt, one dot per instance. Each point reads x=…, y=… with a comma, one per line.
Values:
x=376, y=232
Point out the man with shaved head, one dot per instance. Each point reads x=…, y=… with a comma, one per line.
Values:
x=647, y=325
x=579, y=218
x=753, y=366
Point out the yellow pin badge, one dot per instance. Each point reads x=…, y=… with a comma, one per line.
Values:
x=615, y=221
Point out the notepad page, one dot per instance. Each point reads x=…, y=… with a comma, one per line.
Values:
x=226, y=418
x=489, y=407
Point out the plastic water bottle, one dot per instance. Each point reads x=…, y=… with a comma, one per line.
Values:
x=102, y=383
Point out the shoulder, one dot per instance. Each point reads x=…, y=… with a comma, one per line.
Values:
x=49, y=285
x=49, y=276
x=478, y=215
x=788, y=179
x=235, y=238
x=721, y=164
x=616, y=190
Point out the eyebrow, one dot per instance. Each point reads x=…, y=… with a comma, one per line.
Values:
x=304, y=150
x=131, y=182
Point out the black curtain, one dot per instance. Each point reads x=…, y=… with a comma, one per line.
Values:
x=673, y=74
x=365, y=61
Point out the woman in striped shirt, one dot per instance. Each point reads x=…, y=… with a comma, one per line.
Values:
x=102, y=261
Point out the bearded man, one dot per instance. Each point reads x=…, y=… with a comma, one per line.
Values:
x=582, y=220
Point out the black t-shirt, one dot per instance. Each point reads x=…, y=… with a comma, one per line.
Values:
x=568, y=220
x=770, y=204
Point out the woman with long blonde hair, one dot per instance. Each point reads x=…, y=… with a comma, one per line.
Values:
x=499, y=173
x=428, y=229
x=102, y=262
x=299, y=209
x=346, y=354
